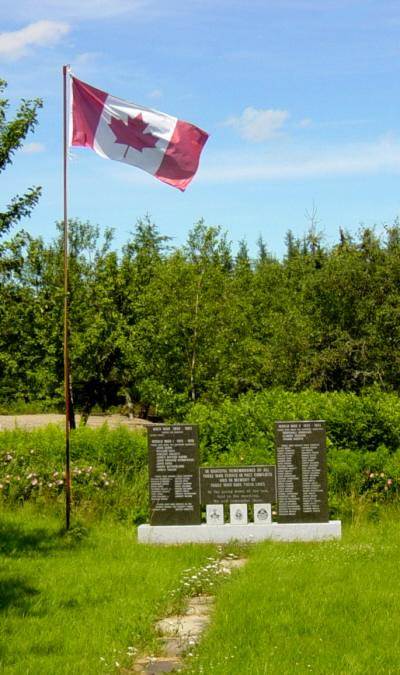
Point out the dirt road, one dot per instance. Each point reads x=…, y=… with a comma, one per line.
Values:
x=94, y=421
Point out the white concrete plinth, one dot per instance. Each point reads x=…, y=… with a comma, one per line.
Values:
x=222, y=534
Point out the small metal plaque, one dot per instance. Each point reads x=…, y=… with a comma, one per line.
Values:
x=262, y=514
x=215, y=514
x=238, y=514
x=174, y=474
x=249, y=484
x=301, y=472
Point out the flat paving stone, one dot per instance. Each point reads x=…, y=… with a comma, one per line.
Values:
x=173, y=646
x=198, y=608
x=183, y=626
x=158, y=665
x=233, y=563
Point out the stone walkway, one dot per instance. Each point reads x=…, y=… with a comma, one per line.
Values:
x=180, y=633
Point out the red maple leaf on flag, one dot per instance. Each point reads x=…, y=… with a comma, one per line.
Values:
x=133, y=133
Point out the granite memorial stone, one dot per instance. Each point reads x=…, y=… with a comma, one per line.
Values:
x=174, y=474
x=301, y=472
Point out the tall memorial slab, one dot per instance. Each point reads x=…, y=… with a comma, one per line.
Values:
x=301, y=475
x=174, y=474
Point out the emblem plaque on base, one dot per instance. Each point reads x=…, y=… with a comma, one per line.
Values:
x=238, y=514
x=215, y=514
x=262, y=514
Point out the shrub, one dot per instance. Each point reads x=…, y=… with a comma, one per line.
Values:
x=109, y=468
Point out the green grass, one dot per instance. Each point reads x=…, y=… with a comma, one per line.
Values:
x=67, y=602
x=311, y=608
x=76, y=603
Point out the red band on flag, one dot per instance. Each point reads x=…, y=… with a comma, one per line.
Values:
x=87, y=107
x=182, y=156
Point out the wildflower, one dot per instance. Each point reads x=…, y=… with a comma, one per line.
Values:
x=382, y=475
x=59, y=482
x=1, y=486
x=371, y=475
x=8, y=457
x=50, y=485
x=389, y=481
x=34, y=481
x=32, y=452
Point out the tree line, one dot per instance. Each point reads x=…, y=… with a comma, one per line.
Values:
x=155, y=327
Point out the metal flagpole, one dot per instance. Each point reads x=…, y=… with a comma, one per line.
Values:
x=66, y=318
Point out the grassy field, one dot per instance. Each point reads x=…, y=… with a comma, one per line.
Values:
x=76, y=604
x=80, y=603
x=311, y=608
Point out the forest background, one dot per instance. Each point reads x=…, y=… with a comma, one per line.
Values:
x=155, y=328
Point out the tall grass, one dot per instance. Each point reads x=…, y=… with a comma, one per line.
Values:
x=109, y=467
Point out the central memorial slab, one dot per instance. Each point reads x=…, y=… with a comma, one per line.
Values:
x=248, y=484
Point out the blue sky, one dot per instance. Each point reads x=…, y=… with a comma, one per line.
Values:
x=300, y=98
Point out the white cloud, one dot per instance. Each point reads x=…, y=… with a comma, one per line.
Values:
x=16, y=44
x=380, y=156
x=258, y=125
x=32, y=148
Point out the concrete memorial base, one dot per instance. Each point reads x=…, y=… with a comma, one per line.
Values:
x=222, y=534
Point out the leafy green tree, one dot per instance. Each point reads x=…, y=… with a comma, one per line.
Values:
x=15, y=297
x=12, y=135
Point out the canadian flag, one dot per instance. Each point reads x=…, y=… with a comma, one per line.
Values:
x=160, y=144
